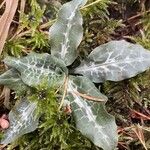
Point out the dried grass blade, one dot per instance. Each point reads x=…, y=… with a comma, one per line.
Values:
x=6, y=19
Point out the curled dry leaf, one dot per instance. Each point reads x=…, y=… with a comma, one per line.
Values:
x=6, y=19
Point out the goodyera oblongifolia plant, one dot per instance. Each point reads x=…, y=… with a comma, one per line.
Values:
x=114, y=61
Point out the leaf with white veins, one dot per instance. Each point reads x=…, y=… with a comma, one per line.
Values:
x=67, y=32
x=12, y=80
x=91, y=117
x=22, y=120
x=35, y=68
x=115, y=61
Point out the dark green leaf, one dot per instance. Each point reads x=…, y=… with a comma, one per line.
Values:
x=67, y=32
x=12, y=80
x=35, y=68
x=91, y=117
x=115, y=61
x=22, y=120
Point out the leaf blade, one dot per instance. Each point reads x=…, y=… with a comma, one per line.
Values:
x=91, y=117
x=35, y=68
x=67, y=32
x=115, y=61
x=22, y=120
x=12, y=80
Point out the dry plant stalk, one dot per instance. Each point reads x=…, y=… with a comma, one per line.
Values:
x=88, y=97
x=139, y=133
x=6, y=19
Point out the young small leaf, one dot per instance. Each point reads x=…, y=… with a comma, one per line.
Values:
x=115, y=61
x=12, y=80
x=35, y=68
x=67, y=32
x=22, y=120
x=91, y=117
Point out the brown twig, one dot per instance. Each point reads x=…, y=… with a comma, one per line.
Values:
x=140, y=114
x=138, y=15
x=88, y=97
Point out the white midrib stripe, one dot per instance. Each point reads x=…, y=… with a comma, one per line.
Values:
x=104, y=65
